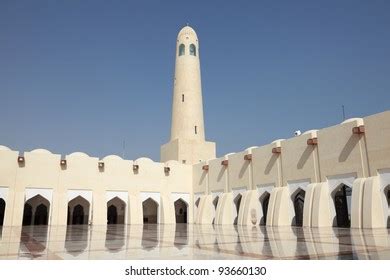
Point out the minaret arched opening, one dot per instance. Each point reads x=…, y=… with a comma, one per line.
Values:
x=182, y=50
x=193, y=50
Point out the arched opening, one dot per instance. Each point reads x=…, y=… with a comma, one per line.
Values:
x=264, y=201
x=78, y=211
x=116, y=211
x=215, y=203
x=299, y=201
x=342, y=203
x=36, y=211
x=237, y=203
x=182, y=50
x=150, y=211
x=181, y=211
x=192, y=50
x=2, y=211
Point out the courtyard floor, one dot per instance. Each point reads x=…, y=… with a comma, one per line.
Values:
x=182, y=241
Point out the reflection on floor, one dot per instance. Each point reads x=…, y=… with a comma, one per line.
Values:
x=182, y=241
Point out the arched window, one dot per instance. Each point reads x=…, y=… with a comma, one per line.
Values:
x=192, y=50
x=182, y=50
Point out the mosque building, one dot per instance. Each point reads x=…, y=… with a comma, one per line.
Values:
x=338, y=176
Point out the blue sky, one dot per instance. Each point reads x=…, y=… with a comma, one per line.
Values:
x=86, y=75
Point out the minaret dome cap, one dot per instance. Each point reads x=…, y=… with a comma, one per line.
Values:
x=187, y=31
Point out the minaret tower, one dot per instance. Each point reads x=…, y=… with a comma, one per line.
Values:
x=187, y=144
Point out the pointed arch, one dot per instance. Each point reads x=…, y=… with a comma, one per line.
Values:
x=181, y=211
x=36, y=211
x=78, y=211
x=116, y=211
x=342, y=196
x=299, y=201
x=150, y=211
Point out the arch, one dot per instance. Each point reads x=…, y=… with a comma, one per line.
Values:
x=193, y=50
x=181, y=211
x=342, y=202
x=182, y=50
x=150, y=211
x=237, y=203
x=264, y=201
x=2, y=211
x=116, y=211
x=299, y=201
x=36, y=211
x=78, y=211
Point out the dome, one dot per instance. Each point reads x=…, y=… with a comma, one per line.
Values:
x=187, y=31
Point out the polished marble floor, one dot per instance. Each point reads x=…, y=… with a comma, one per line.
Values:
x=183, y=241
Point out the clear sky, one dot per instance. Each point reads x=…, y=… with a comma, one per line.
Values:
x=86, y=75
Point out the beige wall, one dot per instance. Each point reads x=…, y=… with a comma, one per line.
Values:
x=42, y=170
x=378, y=141
x=266, y=166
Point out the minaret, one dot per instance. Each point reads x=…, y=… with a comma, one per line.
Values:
x=187, y=143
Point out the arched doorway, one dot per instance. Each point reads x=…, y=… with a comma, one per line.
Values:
x=264, y=201
x=342, y=203
x=2, y=211
x=36, y=211
x=78, y=211
x=237, y=203
x=215, y=203
x=116, y=211
x=150, y=211
x=299, y=201
x=181, y=211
